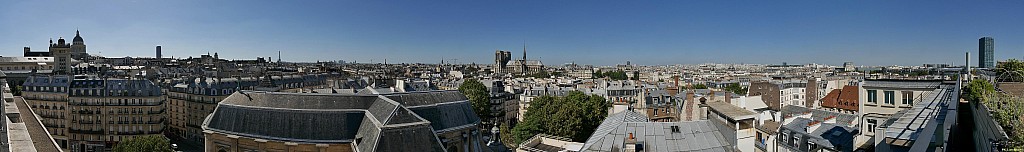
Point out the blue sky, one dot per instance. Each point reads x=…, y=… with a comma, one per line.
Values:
x=587, y=32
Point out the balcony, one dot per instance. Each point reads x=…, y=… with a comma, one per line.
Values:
x=109, y=103
x=89, y=112
x=85, y=131
x=761, y=145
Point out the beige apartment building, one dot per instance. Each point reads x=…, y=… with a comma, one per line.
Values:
x=86, y=113
x=880, y=99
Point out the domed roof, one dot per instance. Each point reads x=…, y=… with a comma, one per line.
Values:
x=78, y=37
x=60, y=41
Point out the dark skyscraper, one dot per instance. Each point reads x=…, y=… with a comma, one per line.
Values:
x=986, y=48
x=158, y=55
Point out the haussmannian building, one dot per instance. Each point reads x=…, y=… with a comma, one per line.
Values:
x=86, y=113
x=407, y=121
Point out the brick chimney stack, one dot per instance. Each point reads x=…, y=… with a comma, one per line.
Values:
x=728, y=97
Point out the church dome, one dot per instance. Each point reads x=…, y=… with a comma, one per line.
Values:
x=60, y=41
x=78, y=37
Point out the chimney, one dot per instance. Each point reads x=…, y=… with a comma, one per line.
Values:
x=676, y=81
x=27, y=49
x=712, y=95
x=689, y=96
x=728, y=97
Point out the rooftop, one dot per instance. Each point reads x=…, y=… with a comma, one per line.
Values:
x=910, y=125
x=382, y=121
x=613, y=132
x=902, y=84
x=731, y=111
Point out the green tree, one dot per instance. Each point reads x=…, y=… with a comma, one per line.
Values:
x=735, y=88
x=636, y=75
x=616, y=75
x=505, y=134
x=1011, y=65
x=574, y=116
x=700, y=86
x=598, y=74
x=977, y=89
x=478, y=96
x=541, y=74
x=152, y=143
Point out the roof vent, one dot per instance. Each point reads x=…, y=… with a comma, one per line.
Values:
x=675, y=129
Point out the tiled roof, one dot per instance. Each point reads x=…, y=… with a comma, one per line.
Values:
x=846, y=98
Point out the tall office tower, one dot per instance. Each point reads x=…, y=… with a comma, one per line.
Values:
x=158, y=55
x=986, y=48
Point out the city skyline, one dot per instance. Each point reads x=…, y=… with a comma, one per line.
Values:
x=656, y=33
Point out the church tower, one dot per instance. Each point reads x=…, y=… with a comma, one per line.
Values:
x=61, y=52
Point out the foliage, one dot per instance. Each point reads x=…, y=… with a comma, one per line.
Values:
x=977, y=89
x=919, y=73
x=735, y=88
x=700, y=86
x=574, y=116
x=1008, y=111
x=636, y=75
x=1011, y=65
x=558, y=74
x=541, y=74
x=597, y=74
x=153, y=143
x=16, y=91
x=616, y=75
x=478, y=97
x=505, y=132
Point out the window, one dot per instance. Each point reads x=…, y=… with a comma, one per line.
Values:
x=796, y=141
x=872, y=96
x=908, y=97
x=784, y=135
x=871, y=125
x=890, y=97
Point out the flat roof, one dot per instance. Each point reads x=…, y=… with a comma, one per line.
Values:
x=903, y=84
x=907, y=125
x=731, y=111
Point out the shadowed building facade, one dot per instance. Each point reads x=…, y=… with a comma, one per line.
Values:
x=274, y=121
x=91, y=114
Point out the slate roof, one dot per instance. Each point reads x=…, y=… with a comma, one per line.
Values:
x=819, y=115
x=656, y=136
x=835, y=137
x=369, y=122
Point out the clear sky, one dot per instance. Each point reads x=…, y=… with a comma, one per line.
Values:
x=556, y=32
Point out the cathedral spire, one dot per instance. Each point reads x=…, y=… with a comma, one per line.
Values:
x=524, y=51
